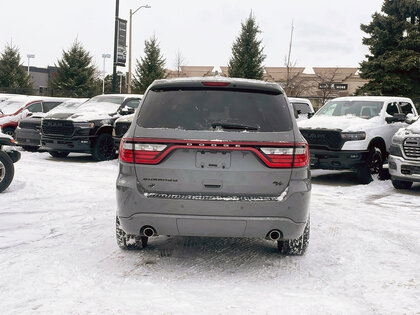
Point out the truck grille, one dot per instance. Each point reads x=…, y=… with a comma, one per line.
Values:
x=121, y=128
x=412, y=148
x=57, y=127
x=323, y=139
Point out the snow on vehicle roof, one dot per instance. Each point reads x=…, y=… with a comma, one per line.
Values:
x=372, y=98
x=219, y=79
x=299, y=99
x=121, y=95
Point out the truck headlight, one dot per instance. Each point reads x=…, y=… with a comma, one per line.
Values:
x=84, y=125
x=353, y=136
x=395, y=150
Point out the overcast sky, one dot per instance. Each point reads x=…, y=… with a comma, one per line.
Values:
x=327, y=32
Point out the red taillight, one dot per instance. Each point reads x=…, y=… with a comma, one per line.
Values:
x=216, y=83
x=301, y=155
x=288, y=155
x=142, y=153
x=126, y=151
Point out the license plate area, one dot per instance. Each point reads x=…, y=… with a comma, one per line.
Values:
x=212, y=160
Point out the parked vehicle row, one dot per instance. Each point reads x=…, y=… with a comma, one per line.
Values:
x=28, y=131
x=77, y=125
x=89, y=128
x=14, y=109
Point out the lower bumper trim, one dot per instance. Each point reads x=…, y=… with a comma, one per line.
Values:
x=213, y=226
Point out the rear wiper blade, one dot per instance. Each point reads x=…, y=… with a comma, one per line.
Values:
x=228, y=125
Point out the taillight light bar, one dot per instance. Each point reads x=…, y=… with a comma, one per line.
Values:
x=277, y=155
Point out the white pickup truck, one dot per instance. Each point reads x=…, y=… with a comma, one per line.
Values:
x=355, y=132
x=404, y=158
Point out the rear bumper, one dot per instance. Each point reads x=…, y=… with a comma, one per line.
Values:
x=218, y=218
x=405, y=170
x=337, y=160
x=76, y=144
x=28, y=137
x=216, y=226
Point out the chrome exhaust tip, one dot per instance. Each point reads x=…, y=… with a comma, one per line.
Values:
x=274, y=235
x=148, y=231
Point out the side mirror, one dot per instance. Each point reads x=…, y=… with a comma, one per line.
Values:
x=310, y=115
x=127, y=111
x=398, y=117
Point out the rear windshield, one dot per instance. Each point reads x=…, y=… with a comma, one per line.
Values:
x=208, y=109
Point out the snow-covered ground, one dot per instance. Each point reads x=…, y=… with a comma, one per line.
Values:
x=58, y=253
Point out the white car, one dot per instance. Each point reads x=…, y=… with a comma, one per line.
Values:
x=404, y=158
x=303, y=108
x=355, y=132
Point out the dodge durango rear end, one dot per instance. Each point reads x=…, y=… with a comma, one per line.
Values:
x=218, y=158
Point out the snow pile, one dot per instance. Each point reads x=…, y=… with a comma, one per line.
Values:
x=58, y=253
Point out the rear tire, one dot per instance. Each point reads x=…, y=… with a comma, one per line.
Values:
x=127, y=241
x=296, y=246
x=7, y=170
x=58, y=154
x=104, y=148
x=401, y=184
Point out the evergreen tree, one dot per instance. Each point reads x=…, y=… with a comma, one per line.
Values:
x=150, y=68
x=393, y=66
x=75, y=73
x=12, y=73
x=247, y=53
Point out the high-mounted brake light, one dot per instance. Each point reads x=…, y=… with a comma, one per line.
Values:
x=216, y=83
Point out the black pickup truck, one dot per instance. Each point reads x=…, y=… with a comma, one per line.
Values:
x=7, y=158
x=89, y=129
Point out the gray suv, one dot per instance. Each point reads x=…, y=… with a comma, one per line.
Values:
x=214, y=157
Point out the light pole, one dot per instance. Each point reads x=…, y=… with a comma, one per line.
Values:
x=104, y=56
x=130, y=42
x=29, y=58
x=120, y=74
x=114, y=66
